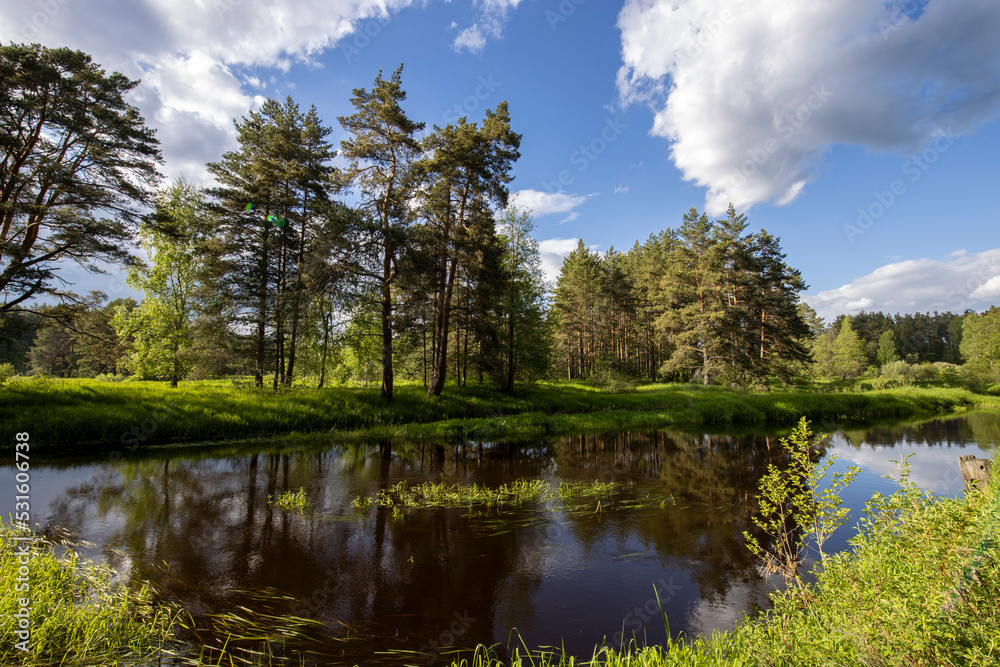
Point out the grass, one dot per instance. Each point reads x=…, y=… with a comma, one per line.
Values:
x=83, y=413
x=291, y=502
x=403, y=496
x=79, y=614
x=921, y=587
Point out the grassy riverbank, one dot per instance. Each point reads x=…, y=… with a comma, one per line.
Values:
x=921, y=588
x=59, y=609
x=117, y=415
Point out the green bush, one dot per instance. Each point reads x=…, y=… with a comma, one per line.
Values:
x=6, y=372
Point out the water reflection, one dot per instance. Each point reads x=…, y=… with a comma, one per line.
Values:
x=199, y=525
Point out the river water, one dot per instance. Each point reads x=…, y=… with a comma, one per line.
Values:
x=197, y=523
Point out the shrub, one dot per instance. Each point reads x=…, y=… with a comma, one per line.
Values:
x=926, y=372
x=6, y=373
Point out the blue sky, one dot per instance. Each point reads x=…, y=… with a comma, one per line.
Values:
x=863, y=134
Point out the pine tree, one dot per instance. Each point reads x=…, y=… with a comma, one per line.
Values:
x=779, y=331
x=381, y=148
x=577, y=291
x=78, y=166
x=467, y=170
x=692, y=307
x=271, y=192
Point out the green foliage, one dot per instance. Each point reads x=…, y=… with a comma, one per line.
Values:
x=291, y=501
x=795, y=511
x=6, y=372
x=981, y=342
x=79, y=613
x=160, y=327
x=609, y=379
x=402, y=496
x=111, y=414
x=888, y=351
x=79, y=166
x=849, y=359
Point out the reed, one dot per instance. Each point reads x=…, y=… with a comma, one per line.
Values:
x=291, y=501
x=79, y=614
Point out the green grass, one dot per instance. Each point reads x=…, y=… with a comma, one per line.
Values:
x=128, y=415
x=921, y=587
x=403, y=496
x=291, y=502
x=78, y=613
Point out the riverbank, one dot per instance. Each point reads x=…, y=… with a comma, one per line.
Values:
x=109, y=416
x=921, y=587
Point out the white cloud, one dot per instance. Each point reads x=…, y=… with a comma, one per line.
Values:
x=546, y=203
x=621, y=189
x=493, y=14
x=471, y=38
x=988, y=290
x=552, y=253
x=918, y=285
x=752, y=94
x=189, y=55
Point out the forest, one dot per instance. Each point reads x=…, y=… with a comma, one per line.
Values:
x=408, y=262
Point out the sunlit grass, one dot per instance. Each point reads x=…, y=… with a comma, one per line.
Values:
x=402, y=496
x=79, y=613
x=128, y=415
x=291, y=501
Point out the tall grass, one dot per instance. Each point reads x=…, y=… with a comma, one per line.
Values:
x=79, y=614
x=124, y=416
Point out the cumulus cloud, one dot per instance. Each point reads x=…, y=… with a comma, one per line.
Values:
x=752, y=94
x=198, y=59
x=552, y=253
x=547, y=203
x=493, y=15
x=955, y=283
x=989, y=290
x=190, y=55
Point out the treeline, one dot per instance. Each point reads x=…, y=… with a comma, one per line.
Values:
x=706, y=301
x=406, y=262
x=919, y=346
x=288, y=265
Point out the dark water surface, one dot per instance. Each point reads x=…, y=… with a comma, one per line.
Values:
x=196, y=522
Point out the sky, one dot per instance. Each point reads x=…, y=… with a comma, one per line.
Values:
x=864, y=134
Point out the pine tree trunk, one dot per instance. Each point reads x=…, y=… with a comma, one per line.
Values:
x=261, y=308
x=299, y=286
x=440, y=367
x=386, y=326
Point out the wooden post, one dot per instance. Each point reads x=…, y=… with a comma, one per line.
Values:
x=975, y=472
